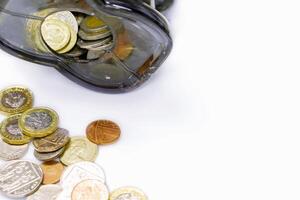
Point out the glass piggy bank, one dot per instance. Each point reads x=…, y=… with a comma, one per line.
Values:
x=105, y=45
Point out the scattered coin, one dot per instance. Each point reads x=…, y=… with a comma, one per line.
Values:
x=46, y=192
x=103, y=132
x=91, y=190
x=49, y=156
x=15, y=100
x=52, y=142
x=11, y=132
x=20, y=178
x=92, y=24
x=79, y=149
x=12, y=152
x=39, y=122
x=52, y=172
x=128, y=193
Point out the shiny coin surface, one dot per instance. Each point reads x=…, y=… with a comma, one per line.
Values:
x=39, y=122
x=104, y=47
x=92, y=24
x=93, y=44
x=55, y=33
x=20, y=178
x=46, y=192
x=66, y=17
x=94, y=36
x=12, y=152
x=15, y=100
x=91, y=190
x=128, y=193
x=79, y=149
x=49, y=156
x=52, y=172
x=52, y=142
x=11, y=132
x=103, y=132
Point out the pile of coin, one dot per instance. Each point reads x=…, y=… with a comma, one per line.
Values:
x=68, y=171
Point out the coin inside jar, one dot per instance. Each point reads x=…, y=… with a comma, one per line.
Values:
x=15, y=100
x=103, y=132
x=128, y=193
x=52, y=172
x=91, y=190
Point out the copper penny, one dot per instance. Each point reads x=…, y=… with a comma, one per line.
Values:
x=91, y=190
x=52, y=172
x=103, y=132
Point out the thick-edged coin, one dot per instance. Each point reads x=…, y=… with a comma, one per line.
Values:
x=93, y=44
x=95, y=35
x=92, y=24
x=128, y=193
x=56, y=34
x=52, y=172
x=49, y=156
x=12, y=152
x=71, y=43
x=39, y=122
x=14, y=100
x=11, y=132
x=91, y=190
x=76, y=52
x=103, y=132
x=94, y=54
x=104, y=47
x=19, y=179
x=46, y=192
x=52, y=142
x=79, y=149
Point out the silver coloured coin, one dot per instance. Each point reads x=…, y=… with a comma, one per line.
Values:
x=48, y=156
x=93, y=44
x=94, y=54
x=46, y=192
x=67, y=17
x=12, y=152
x=104, y=47
x=38, y=120
x=94, y=36
x=20, y=178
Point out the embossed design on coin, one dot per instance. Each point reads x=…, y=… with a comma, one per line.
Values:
x=91, y=190
x=48, y=156
x=52, y=172
x=38, y=120
x=12, y=152
x=128, y=193
x=11, y=132
x=46, y=192
x=79, y=149
x=19, y=179
x=103, y=132
x=15, y=100
x=52, y=142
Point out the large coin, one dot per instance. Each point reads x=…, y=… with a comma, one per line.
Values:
x=46, y=192
x=103, y=132
x=94, y=36
x=92, y=24
x=71, y=43
x=52, y=172
x=15, y=100
x=93, y=44
x=52, y=142
x=128, y=193
x=79, y=149
x=49, y=156
x=20, y=178
x=39, y=122
x=55, y=33
x=12, y=152
x=11, y=132
x=91, y=190
x=67, y=17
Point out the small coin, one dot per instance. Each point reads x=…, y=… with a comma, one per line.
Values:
x=12, y=152
x=49, y=156
x=128, y=193
x=103, y=132
x=39, y=122
x=15, y=100
x=93, y=44
x=79, y=17
x=92, y=24
x=94, y=36
x=46, y=192
x=79, y=149
x=52, y=142
x=11, y=132
x=76, y=52
x=55, y=33
x=94, y=54
x=20, y=178
x=91, y=190
x=52, y=172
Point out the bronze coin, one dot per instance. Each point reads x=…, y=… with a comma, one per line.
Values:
x=52, y=172
x=103, y=132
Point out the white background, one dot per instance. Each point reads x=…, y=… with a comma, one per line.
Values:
x=219, y=120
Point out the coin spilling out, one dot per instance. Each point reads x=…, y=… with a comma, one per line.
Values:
x=12, y=152
x=91, y=190
x=15, y=100
x=128, y=193
x=46, y=192
x=52, y=172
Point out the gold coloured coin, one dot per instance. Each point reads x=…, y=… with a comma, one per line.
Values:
x=15, y=100
x=79, y=149
x=39, y=122
x=55, y=33
x=92, y=24
x=128, y=193
x=71, y=43
x=11, y=132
